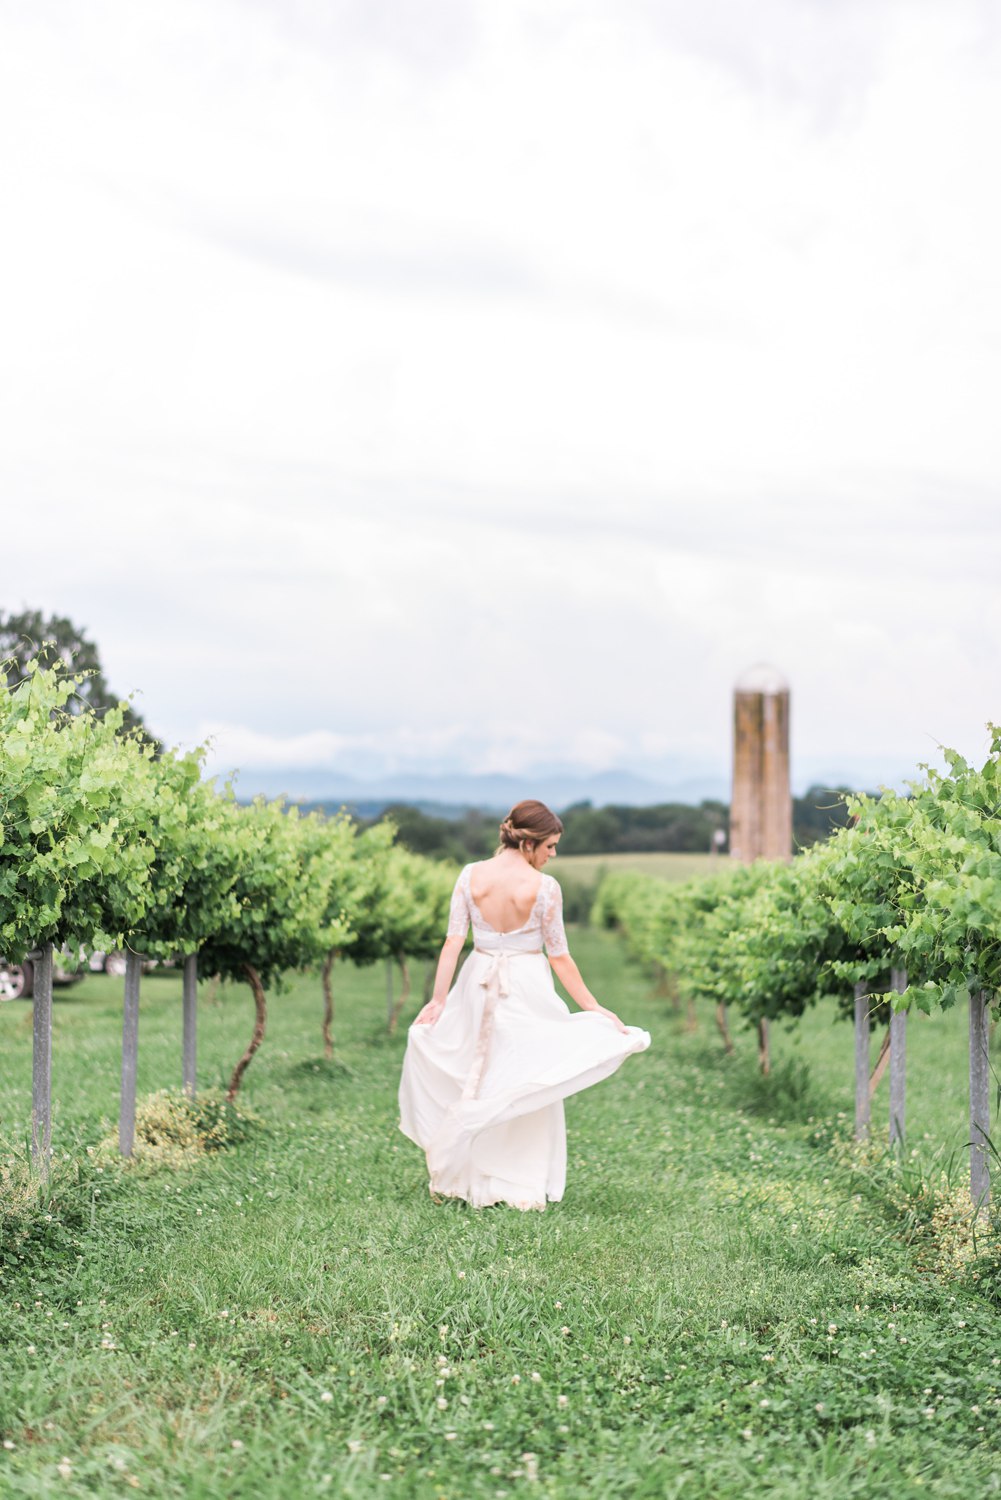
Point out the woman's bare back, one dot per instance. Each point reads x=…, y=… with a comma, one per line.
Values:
x=505, y=891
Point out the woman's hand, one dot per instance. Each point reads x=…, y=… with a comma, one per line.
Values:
x=430, y=1013
x=613, y=1017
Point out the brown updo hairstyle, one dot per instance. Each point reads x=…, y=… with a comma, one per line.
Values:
x=528, y=823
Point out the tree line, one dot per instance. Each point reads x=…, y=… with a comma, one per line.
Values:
x=668, y=827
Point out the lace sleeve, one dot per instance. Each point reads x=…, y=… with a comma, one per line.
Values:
x=458, y=912
x=553, y=934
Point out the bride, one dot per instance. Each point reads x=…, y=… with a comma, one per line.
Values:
x=490, y=1061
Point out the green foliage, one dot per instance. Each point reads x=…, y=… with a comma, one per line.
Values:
x=175, y=1131
x=670, y=826
x=106, y=844
x=76, y=820
x=55, y=643
x=456, y=840
x=913, y=882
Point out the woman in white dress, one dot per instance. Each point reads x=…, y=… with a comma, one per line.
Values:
x=490, y=1061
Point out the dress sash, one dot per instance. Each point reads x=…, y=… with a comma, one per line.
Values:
x=496, y=980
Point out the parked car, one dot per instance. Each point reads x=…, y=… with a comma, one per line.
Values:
x=17, y=980
x=107, y=963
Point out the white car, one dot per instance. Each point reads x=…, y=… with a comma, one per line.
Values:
x=17, y=980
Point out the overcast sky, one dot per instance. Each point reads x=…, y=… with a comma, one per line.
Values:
x=470, y=384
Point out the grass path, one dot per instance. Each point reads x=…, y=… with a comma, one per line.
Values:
x=714, y=1310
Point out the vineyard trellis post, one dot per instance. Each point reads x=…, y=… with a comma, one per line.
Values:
x=130, y=1053
x=980, y=1101
x=898, y=1061
x=190, y=1008
x=861, y=1063
x=41, y=1061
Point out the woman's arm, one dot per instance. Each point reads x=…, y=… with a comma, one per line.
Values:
x=572, y=981
x=450, y=950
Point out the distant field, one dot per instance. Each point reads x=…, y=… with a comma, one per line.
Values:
x=586, y=868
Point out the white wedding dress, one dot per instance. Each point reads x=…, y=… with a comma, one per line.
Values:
x=482, y=1089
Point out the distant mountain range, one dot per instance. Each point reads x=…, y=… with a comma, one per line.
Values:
x=558, y=786
x=680, y=779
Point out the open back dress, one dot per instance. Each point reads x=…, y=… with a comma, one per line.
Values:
x=482, y=1089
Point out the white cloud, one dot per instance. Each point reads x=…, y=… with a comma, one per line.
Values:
x=512, y=379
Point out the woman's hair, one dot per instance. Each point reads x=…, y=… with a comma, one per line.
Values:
x=528, y=823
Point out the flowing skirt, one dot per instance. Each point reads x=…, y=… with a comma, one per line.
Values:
x=482, y=1090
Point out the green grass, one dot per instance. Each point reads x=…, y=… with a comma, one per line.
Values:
x=718, y=1308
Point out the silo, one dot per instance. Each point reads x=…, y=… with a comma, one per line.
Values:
x=761, y=804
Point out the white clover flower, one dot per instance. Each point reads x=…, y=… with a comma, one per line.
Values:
x=461, y=1275
x=381, y=1401
x=64, y=1468
x=626, y=1339
x=441, y=1403
x=236, y=1443
x=562, y=1401
x=536, y=1377
x=564, y=1329
x=450, y=1437
x=516, y=1380
x=355, y=1445
x=832, y=1327
x=326, y=1396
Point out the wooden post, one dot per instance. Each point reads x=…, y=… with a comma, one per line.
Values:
x=389, y=991
x=41, y=1061
x=898, y=1061
x=980, y=1102
x=861, y=1063
x=764, y=1048
x=130, y=1054
x=189, y=1002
